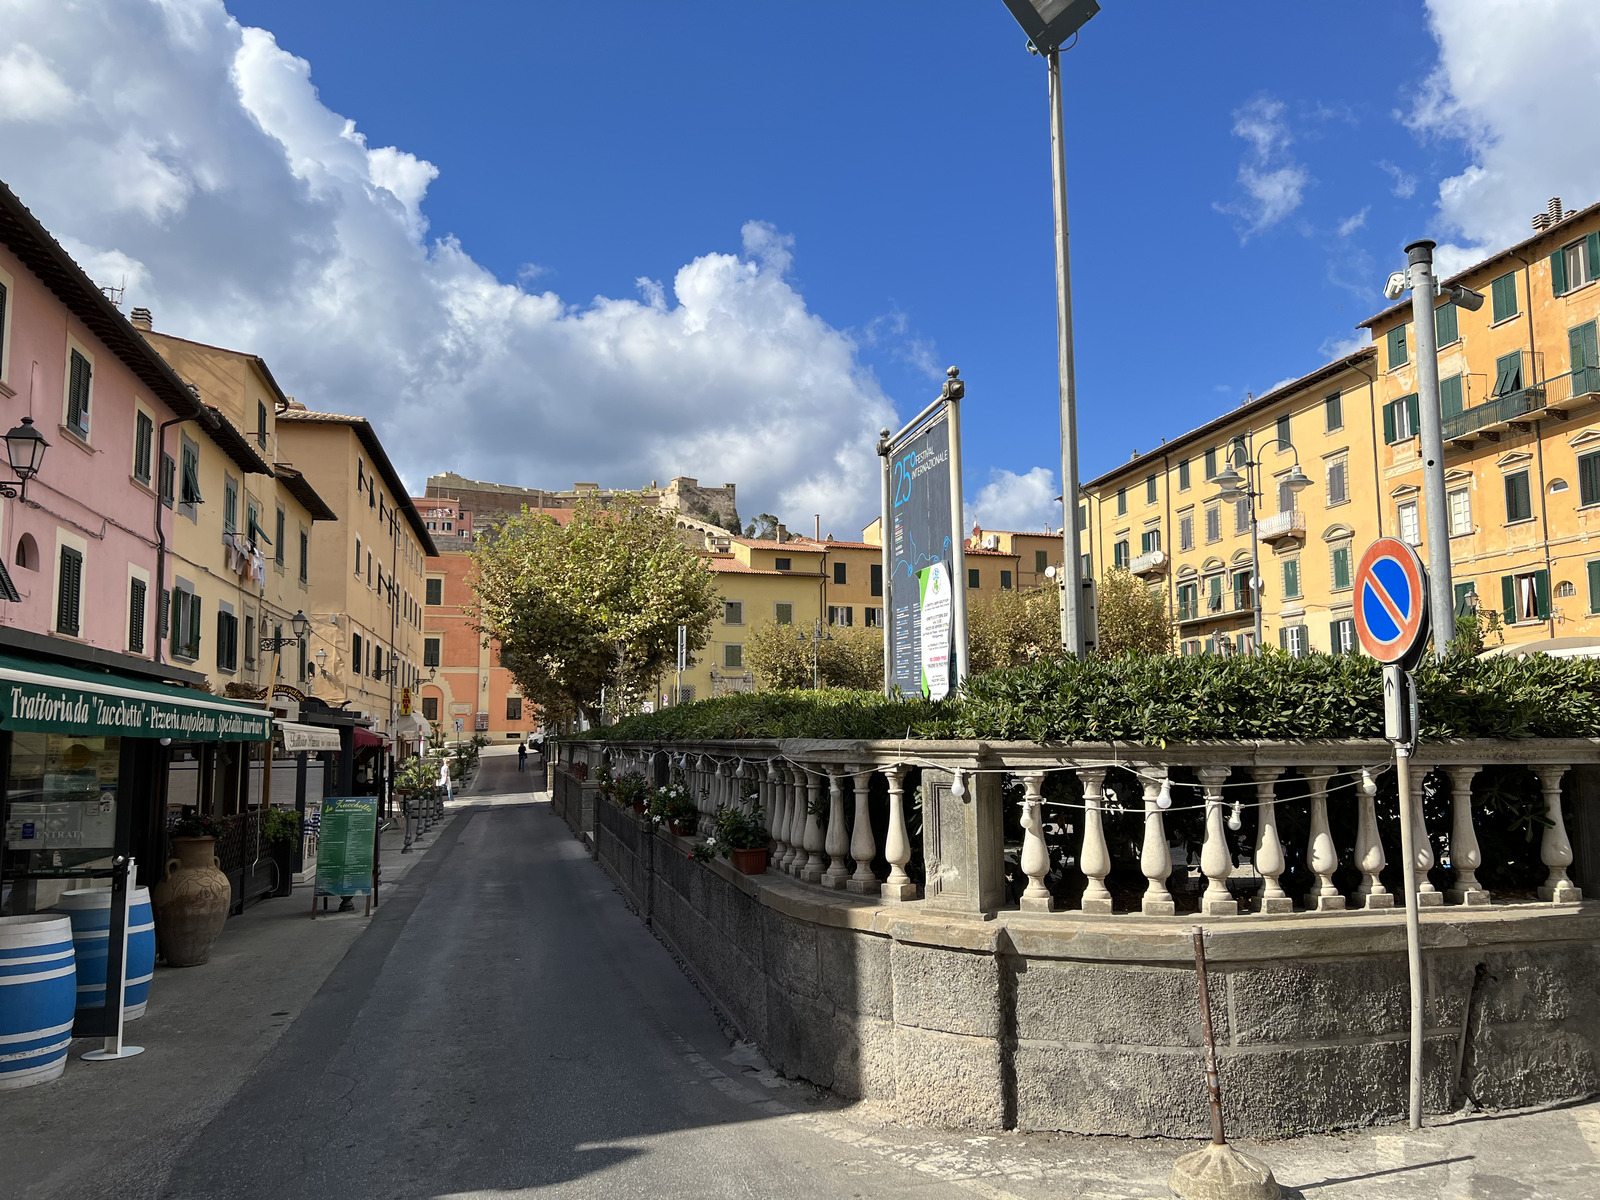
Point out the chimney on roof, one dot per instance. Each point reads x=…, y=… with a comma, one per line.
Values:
x=1541, y=221
x=141, y=319
x=1555, y=209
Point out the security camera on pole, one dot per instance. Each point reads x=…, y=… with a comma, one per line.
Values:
x=1424, y=290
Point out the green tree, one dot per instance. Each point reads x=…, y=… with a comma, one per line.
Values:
x=1014, y=628
x=1131, y=616
x=763, y=529
x=594, y=605
x=847, y=657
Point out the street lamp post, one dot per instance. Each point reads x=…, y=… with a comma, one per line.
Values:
x=1247, y=487
x=817, y=636
x=1419, y=277
x=1049, y=24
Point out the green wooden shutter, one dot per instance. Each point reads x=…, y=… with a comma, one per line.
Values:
x=75, y=390
x=194, y=625
x=1283, y=637
x=1508, y=598
x=1504, y=291
x=1558, y=272
x=1593, y=241
x=1388, y=424
x=1446, y=329
x=1341, y=567
x=1397, y=347
x=1541, y=593
x=1463, y=590
x=1583, y=348
x=1594, y=586
x=69, y=591
x=1589, y=479
x=136, y=594
x=1450, y=397
x=1414, y=411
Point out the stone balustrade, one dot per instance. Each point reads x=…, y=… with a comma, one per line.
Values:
x=997, y=936
x=816, y=800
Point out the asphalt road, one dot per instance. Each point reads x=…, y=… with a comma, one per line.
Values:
x=507, y=1025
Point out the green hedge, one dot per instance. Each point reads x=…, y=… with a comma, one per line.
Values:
x=1160, y=698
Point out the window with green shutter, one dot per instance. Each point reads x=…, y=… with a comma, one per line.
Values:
x=972, y=573
x=1183, y=475
x=1332, y=412
x=1396, y=341
x=1214, y=593
x=1119, y=555
x=1589, y=478
x=80, y=378
x=1122, y=501
x=69, y=592
x=1211, y=463
x=1519, y=504
x=1503, y=293
x=277, y=549
x=1341, y=567
x=1283, y=432
x=143, y=442
x=1149, y=489
x=1150, y=541
x=1450, y=397
x=1583, y=349
x=1291, y=579
x=1445, y=325
x=137, y=590
x=230, y=504
x=1401, y=419
x=1508, y=373
x=1041, y=561
x=1594, y=585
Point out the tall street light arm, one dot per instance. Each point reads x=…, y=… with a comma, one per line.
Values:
x=1248, y=487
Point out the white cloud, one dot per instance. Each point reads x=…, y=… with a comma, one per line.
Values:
x=193, y=158
x=1405, y=184
x=1354, y=222
x=1012, y=501
x=1339, y=347
x=29, y=89
x=1516, y=82
x=1272, y=181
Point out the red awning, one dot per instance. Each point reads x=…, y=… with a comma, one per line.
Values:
x=365, y=738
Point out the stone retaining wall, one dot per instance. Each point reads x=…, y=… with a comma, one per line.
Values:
x=1091, y=1024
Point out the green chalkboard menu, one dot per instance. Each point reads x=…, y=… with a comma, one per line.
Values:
x=345, y=844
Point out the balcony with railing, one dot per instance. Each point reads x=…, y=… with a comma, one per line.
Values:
x=1211, y=608
x=1290, y=523
x=1153, y=562
x=1487, y=421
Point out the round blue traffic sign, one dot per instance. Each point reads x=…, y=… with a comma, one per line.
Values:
x=1391, y=588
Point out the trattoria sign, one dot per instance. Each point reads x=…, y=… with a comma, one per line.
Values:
x=34, y=697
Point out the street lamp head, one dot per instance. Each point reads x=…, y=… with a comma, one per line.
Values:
x=1231, y=482
x=1463, y=297
x=1296, y=480
x=299, y=624
x=1049, y=23
x=25, y=447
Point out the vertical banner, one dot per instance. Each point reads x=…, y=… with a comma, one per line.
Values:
x=920, y=536
x=933, y=590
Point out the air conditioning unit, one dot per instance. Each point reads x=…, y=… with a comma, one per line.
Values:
x=991, y=541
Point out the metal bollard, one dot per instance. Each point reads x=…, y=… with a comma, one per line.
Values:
x=409, y=805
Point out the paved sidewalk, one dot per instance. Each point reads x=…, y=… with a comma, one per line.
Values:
x=112, y=1128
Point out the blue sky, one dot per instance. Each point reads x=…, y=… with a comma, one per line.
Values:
x=1242, y=178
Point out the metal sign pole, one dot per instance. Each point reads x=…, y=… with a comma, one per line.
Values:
x=885, y=622
x=1400, y=728
x=954, y=389
x=123, y=881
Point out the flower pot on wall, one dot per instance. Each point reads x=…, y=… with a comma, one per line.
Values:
x=190, y=903
x=679, y=828
x=751, y=862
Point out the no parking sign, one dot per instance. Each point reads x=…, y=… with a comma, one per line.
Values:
x=1392, y=602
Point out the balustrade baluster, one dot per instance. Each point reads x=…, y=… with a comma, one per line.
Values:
x=1465, y=856
x=838, y=840
x=862, y=846
x=1155, y=860
x=1035, y=854
x=1555, y=851
x=1421, y=844
x=1095, y=859
x=1370, y=858
x=797, y=822
x=811, y=870
x=778, y=821
x=1216, y=861
x=897, y=848
x=1270, y=861
x=1321, y=854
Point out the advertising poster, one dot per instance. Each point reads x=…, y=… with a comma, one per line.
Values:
x=345, y=840
x=934, y=597
x=920, y=537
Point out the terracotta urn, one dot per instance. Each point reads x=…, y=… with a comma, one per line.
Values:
x=190, y=903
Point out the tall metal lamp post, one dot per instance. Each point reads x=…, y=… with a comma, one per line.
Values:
x=1049, y=24
x=1248, y=487
x=817, y=637
x=1425, y=289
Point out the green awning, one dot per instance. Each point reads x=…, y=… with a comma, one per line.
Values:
x=44, y=697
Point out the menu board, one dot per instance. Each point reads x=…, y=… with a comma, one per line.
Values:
x=349, y=829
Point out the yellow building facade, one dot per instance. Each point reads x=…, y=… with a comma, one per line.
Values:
x=1161, y=515
x=367, y=571
x=1520, y=400
x=240, y=561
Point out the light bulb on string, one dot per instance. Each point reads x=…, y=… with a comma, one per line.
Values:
x=1234, y=820
x=739, y=774
x=1369, y=785
x=1164, y=799
x=958, y=784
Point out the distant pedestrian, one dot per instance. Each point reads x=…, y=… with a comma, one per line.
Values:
x=522, y=756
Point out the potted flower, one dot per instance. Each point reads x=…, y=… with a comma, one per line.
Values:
x=741, y=836
x=191, y=901
x=280, y=829
x=631, y=790
x=672, y=807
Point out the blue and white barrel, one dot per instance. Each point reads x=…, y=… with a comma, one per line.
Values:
x=38, y=990
x=90, y=912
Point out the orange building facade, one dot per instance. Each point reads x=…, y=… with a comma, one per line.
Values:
x=464, y=688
